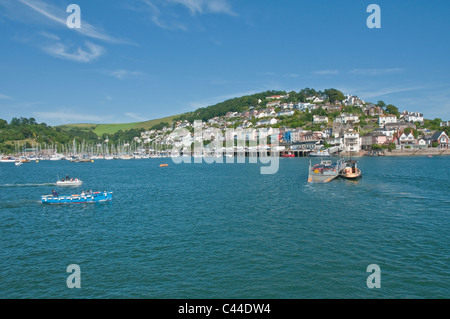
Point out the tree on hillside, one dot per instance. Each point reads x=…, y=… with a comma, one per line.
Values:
x=334, y=95
x=381, y=104
x=293, y=97
x=392, y=109
x=307, y=92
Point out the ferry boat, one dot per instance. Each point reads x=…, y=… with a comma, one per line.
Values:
x=324, y=172
x=350, y=170
x=96, y=197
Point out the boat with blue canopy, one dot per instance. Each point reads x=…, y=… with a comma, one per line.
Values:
x=89, y=197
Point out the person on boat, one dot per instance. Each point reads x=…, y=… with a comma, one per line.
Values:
x=67, y=177
x=54, y=193
x=83, y=193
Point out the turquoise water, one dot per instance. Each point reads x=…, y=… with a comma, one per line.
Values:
x=225, y=231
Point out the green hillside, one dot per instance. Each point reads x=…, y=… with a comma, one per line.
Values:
x=101, y=129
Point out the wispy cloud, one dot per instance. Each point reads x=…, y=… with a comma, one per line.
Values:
x=376, y=71
x=50, y=36
x=325, y=72
x=124, y=74
x=69, y=116
x=162, y=15
x=386, y=91
x=5, y=97
x=291, y=75
x=136, y=117
x=206, y=6
x=89, y=54
x=57, y=15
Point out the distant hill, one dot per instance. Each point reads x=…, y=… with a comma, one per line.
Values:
x=101, y=129
x=237, y=104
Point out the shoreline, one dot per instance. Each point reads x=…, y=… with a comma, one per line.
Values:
x=419, y=152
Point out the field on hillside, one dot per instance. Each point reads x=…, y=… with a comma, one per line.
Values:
x=101, y=129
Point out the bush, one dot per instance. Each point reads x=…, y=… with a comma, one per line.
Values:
x=391, y=146
x=376, y=147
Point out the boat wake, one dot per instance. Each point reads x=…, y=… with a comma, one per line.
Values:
x=27, y=185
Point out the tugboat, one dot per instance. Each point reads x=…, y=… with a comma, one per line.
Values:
x=351, y=170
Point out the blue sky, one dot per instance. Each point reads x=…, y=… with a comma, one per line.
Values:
x=144, y=59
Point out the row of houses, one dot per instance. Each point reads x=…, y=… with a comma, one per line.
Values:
x=403, y=140
x=350, y=140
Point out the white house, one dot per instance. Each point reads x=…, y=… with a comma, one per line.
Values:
x=319, y=119
x=285, y=113
x=267, y=113
x=352, y=141
x=289, y=105
x=277, y=97
x=315, y=99
x=267, y=122
x=445, y=124
x=387, y=132
x=421, y=143
x=413, y=117
x=347, y=119
x=386, y=119
x=305, y=106
x=406, y=139
x=352, y=100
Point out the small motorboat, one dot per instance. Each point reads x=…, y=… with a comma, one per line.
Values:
x=288, y=155
x=7, y=160
x=90, y=197
x=69, y=182
x=320, y=153
x=351, y=170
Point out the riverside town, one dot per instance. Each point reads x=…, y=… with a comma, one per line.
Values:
x=306, y=123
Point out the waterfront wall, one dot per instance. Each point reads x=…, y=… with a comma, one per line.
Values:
x=418, y=152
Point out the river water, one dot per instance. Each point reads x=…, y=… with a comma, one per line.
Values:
x=226, y=231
